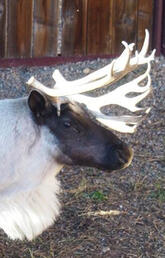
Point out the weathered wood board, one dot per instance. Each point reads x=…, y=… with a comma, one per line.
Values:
x=48, y=28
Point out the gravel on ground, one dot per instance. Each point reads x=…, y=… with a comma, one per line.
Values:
x=118, y=214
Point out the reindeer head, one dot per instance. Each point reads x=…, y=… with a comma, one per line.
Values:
x=85, y=142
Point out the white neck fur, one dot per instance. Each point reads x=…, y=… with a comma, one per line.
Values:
x=28, y=187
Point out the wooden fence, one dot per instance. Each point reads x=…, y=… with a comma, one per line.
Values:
x=40, y=28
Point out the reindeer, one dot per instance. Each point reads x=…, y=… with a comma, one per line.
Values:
x=50, y=128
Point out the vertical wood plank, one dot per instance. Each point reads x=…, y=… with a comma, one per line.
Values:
x=19, y=28
x=124, y=23
x=45, y=28
x=145, y=10
x=2, y=27
x=74, y=20
x=99, y=32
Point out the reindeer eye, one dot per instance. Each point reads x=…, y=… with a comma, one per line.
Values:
x=67, y=124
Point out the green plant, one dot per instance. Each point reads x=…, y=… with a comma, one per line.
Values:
x=159, y=193
x=95, y=195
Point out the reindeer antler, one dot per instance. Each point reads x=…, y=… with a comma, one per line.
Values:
x=65, y=91
x=124, y=124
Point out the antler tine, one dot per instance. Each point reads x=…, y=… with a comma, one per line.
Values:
x=142, y=54
x=145, y=46
x=58, y=78
x=123, y=61
x=123, y=124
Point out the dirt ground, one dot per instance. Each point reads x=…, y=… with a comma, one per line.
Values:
x=118, y=214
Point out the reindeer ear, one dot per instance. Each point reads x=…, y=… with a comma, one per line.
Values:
x=37, y=103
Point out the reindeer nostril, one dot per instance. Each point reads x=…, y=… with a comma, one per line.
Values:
x=125, y=155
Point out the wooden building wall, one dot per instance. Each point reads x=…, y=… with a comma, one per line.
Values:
x=40, y=28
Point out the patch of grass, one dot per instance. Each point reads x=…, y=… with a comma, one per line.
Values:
x=95, y=195
x=159, y=193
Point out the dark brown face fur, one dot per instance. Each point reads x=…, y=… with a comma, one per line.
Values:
x=81, y=141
